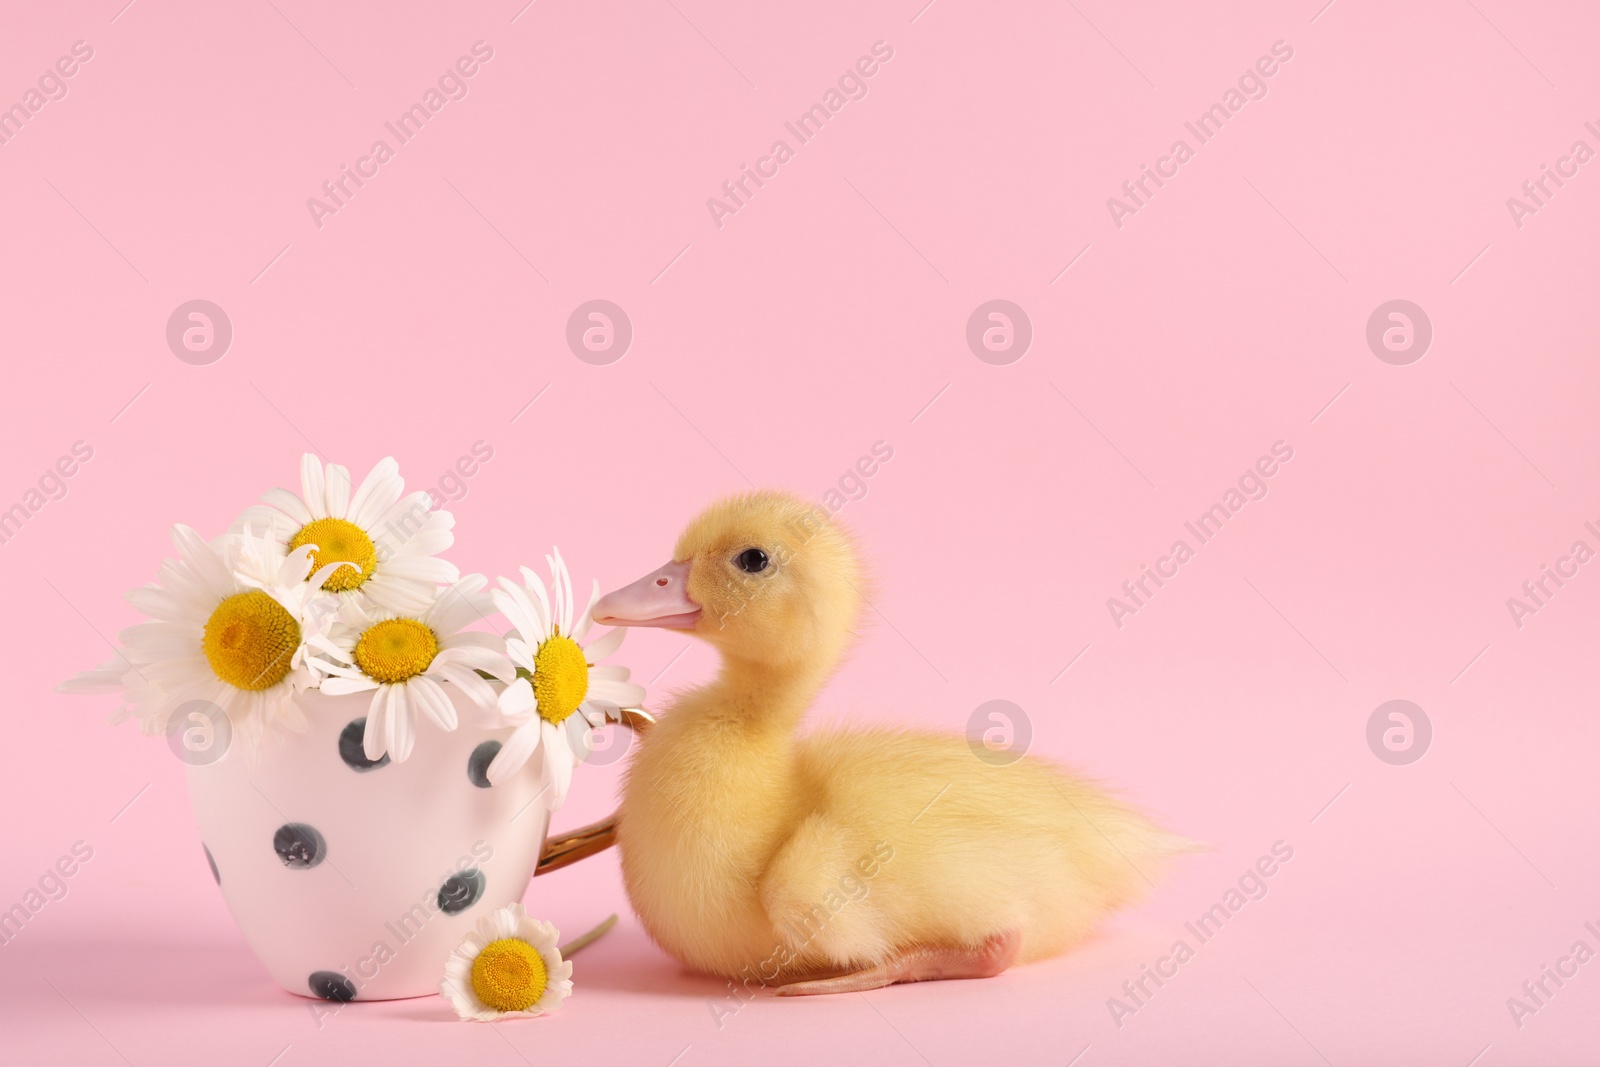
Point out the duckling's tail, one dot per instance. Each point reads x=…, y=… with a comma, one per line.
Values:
x=1118, y=854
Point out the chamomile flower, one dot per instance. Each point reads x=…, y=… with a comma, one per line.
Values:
x=231, y=623
x=509, y=966
x=391, y=538
x=403, y=659
x=560, y=695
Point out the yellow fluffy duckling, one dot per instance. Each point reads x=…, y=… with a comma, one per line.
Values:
x=846, y=859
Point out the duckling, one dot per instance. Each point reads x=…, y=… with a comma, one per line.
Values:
x=844, y=859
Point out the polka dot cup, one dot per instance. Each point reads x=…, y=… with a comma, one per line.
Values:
x=354, y=879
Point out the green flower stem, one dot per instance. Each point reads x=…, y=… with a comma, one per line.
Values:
x=585, y=940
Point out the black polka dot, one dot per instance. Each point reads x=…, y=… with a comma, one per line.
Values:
x=350, y=750
x=213, y=862
x=331, y=985
x=299, y=846
x=478, y=763
x=461, y=891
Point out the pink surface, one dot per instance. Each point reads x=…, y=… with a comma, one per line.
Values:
x=827, y=314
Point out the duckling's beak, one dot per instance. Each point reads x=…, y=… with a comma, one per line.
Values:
x=658, y=599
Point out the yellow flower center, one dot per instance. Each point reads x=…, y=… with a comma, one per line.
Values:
x=509, y=975
x=560, y=678
x=250, y=641
x=338, y=541
x=395, y=649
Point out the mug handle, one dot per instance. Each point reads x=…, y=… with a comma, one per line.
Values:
x=585, y=841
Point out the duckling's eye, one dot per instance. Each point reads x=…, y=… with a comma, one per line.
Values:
x=751, y=561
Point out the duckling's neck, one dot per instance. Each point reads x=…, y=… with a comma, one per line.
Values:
x=764, y=699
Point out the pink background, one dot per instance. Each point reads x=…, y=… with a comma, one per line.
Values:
x=826, y=315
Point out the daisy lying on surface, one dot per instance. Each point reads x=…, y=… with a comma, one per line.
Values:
x=345, y=592
x=511, y=966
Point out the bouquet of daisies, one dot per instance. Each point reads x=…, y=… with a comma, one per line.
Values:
x=345, y=591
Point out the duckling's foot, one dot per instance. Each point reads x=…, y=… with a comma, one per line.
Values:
x=920, y=964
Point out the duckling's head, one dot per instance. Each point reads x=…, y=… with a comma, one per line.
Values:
x=766, y=577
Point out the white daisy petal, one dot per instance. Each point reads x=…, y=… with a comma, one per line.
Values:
x=327, y=571
x=476, y=657
x=326, y=644
x=517, y=702
x=158, y=603
x=373, y=498
x=520, y=653
x=472, y=943
x=523, y=743
x=557, y=764
x=570, y=592
x=313, y=485
x=293, y=716
x=435, y=703
x=623, y=694
x=505, y=922
x=400, y=723
x=336, y=686
x=560, y=594
x=586, y=620
x=417, y=513
x=459, y=965
x=543, y=614
x=428, y=541
x=576, y=728
x=566, y=595
x=430, y=569
x=375, y=741
x=527, y=618
x=605, y=644
x=399, y=596
x=294, y=568
x=539, y=933
x=338, y=490
x=105, y=678
x=474, y=688
x=269, y=521
x=289, y=504
x=535, y=585
x=473, y=639
x=463, y=604
x=204, y=562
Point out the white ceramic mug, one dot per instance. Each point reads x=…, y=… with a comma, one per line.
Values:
x=353, y=881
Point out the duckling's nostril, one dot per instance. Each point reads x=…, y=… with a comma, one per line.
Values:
x=660, y=598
